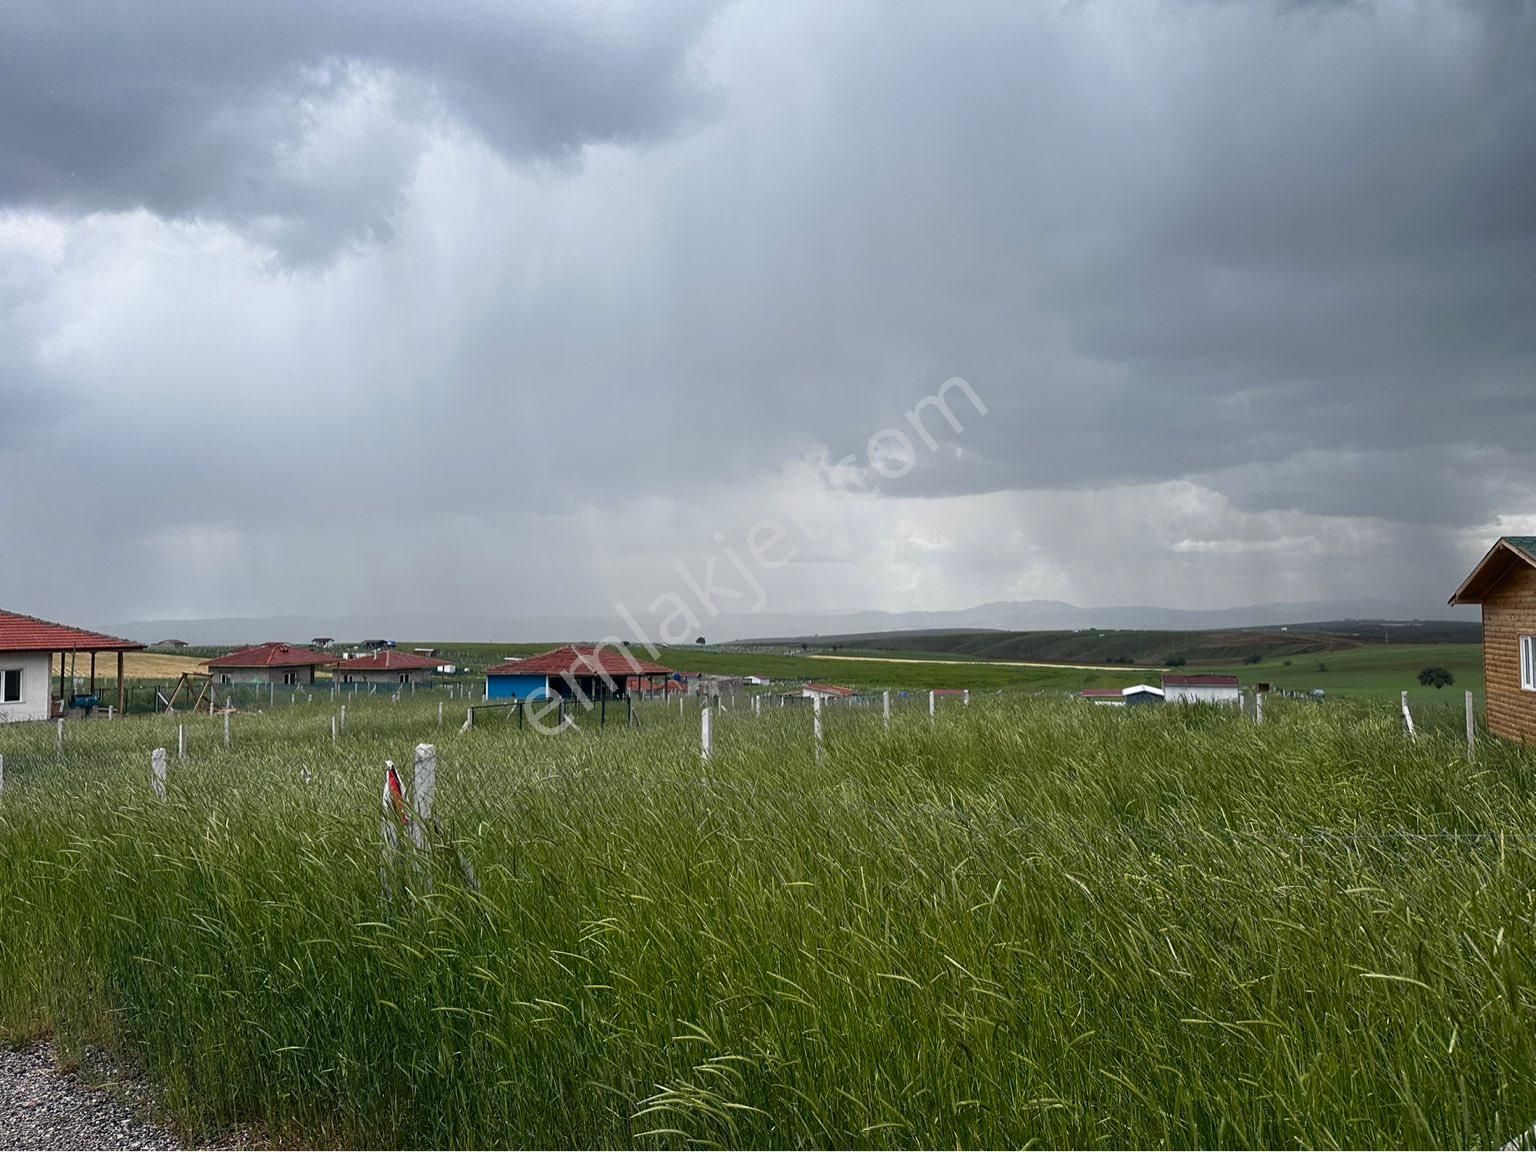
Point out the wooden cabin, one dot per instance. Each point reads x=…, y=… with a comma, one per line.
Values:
x=1504, y=584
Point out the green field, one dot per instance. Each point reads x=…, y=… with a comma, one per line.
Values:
x=1032, y=922
x=1367, y=670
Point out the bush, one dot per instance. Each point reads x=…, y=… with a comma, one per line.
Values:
x=1175, y=661
x=1436, y=677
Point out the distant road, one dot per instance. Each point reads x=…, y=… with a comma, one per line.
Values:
x=1127, y=668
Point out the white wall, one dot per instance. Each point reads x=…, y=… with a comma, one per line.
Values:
x=36, y=689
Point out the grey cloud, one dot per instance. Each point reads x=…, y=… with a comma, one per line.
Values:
x=1284, y=251
x=201, y=110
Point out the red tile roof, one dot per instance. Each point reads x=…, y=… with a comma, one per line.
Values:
x=20, y=633
x=389, y=660
x=581, y=660
x=1200, y=681
x=272, y=655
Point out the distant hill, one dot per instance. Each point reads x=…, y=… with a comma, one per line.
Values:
x=1008, y=615
x=1142, y=646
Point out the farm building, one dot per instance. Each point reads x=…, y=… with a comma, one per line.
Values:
x=272, y=663
x=1202, y=690
x=1504, y=584
x=27, y=646
x=827, y=692
x=587, y=670
x=1135, y=696
x=1106, y=697
x=387, y=666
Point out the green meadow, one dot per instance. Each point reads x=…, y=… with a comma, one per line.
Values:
x=1029, y=922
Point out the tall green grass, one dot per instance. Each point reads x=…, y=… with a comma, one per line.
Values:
x=1034, y=922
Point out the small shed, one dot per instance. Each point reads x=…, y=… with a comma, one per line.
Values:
x=1504, y=585
x=827, y=692
x=1106, y=697
x=587, y=671
x=27, y=645
x=387, y=666
x=271, y=663
x=1179, y=689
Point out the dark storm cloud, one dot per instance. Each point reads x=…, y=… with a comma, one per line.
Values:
x=196, y=109
x=1246, y=288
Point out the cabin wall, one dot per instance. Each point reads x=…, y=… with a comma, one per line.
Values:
x=1509, y=612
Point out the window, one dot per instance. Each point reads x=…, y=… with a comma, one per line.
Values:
x=1528, y=663
x=405, y=677
x=290, y=677
x=10, y=686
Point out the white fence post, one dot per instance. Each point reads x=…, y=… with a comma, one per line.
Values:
x=333, y=729
x=933, y=706
x=439, y=713
x=1471, y=728
x=706, y=736
x=965, y=697
x=181, y=741
x=423, y=791
x=343, y=717
x=2, y=775
x=60, y=737
x=1258, y=707
x=157, y=772
x=816, y=722
x=226, y=727
x=1408, y=716
x=885, y=703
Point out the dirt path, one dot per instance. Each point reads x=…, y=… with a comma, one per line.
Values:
x=1126, y=668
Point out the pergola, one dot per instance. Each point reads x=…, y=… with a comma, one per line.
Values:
x=29, y=635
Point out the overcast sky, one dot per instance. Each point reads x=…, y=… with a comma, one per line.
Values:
x=386, y=308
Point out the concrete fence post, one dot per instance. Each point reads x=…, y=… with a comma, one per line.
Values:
x=59, y=737
x=181, y=741
x=157, y=772
x=226, y=728
x=885, y=707
x=1471, y=728
x=423, y=791
x=1408, y=717
x=706, y=736
x=816, y=724
x=933, y=706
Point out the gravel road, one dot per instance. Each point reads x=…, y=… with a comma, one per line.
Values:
x=41, y=1107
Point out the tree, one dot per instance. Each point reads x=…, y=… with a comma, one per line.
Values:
x=1175, y=661
x=1254, y=659
x=700, y=640
x=1436, y=677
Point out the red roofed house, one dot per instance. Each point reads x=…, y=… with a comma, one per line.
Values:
x=27, y=646
x=269, y=664
x=1504, y=584
x=387, y=666
x=589, y=670
x=1202, y=689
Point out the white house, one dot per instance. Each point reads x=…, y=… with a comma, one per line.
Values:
x=27, y=646
x=1202, y=690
